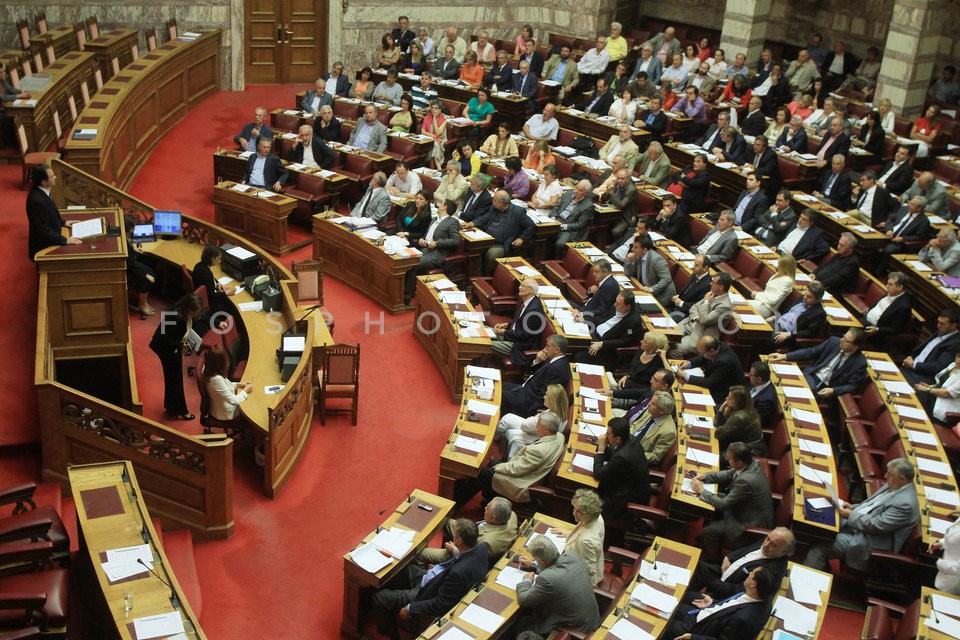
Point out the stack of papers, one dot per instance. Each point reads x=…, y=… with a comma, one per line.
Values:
x=558, y=541
x=482, y=408
x=467, y=443
x=796, y=617
x=646, y=596
x=481, y=618
x=125, y=562
x=160, y=625
x=510, y=577
x=626, y=630
x=701, y=457
x=397, y=542
x=486, y=373
x=666, y=574
x=369, y=558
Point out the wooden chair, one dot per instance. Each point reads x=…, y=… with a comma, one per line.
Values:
x=23, y=30
x=233, y=428
x=150, y=35
x=30, y=159
x=80, y=31
x=41, y=20
x=93, y=28
x=879, y=623
x=172, y=29
x=339, y=377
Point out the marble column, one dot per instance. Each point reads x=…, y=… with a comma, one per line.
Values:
x=745, y=28
x=916, y=32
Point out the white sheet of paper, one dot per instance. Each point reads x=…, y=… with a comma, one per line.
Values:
x=897, y=386
x=468, y=443
x=548, y=292
x=509, y=577
x=587, y=392
x=575, y=328
x=395, y=541
x=806, y=592
x=443, y=283
x=129, y=555
x=483, y=408
x=797, y=392
x=487, y=373
x=796, y=617
x=164, y=624
x=806, y=416
x=698, y=398
x=626, y=630
x=662, y=322
x=819, y=503
x=693, y=371
x=698, y=421
x=594, y=430
x=786, y=368
x=225, y=280
x=836, y=312
x=816, y=448
x=700, y=456
x=256, y=305
x=87, y=228
x=119, y=570
x=911, y=412
x=946, y=624
x=939, y=525
x=882, y=365
x=800, y=573
x=669, y=575
x=920, y=437
x=592, y=417
x=528, y=271
x=583, y=461
x=751, y=318
x=558, y=541
x=933, y=466
x=687, y=487
x=941, y=496
x=369, y=558
x=481, y=618
x=812, y=475
x=943, y=604
x=590, y=369
x=646, y=595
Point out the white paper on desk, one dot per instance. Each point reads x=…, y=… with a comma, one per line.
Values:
x=626, y=630
x=936, y=219
x=943, y=604
x=509, y=577
x=119, y=570
x=687, y=487
x=800, y=573
x=469, y=316
x=837, y=215
x=369, y=558
x=225, y=280
x=483, y=408
x=920, y=437
x=528, y=271
x=944, y=623
x=806, y=416
x=704, y=399
x=130, y=555
x=296, y=166
x=481, y=618
x=816, y=448
x=443, y=283
x=941, y=496
x=590, y=404
x=487, y=373
x=837, y=312
x=669, y=575
x=897, y=386
x=786, y=368
x=803, y=277
x=397, y=542
x=698, y=421
x=590, y=369
x=575, y=328
x=592, y=417
x=583, y=461
x=272, y=390
x=587, y=392
x=589, y=429
x=933, y=466
x=911, y=412
x=453, y=297
x=693, y=371
x=662, y=322
x=470, y=444
x=548, y=292
x=164, y=624
x=736, y=298
x=562, y=314
x=862, y=228
x=647, y=596
x=558, y=541
x=751, y=318
x=797, y=392
x=819, y=503
x=699, y=456
x=256, y=305
x=265, y=194
x=796, y=617
x=813, y=475
x=242, y=188
x=918, y=266
x=882, y=365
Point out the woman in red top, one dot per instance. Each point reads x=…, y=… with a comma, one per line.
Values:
x=925, y=130
x=705, y=51
x=669, y=97
x=737, y=91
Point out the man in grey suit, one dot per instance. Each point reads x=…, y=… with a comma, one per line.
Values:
x=650, y=268
x=441, y=239
x=943, y=253
x=883, y=522
x=775, y=223
x=513, y=478
x=705, y=317
x=375, y=203
x=558, y=595
x=743, y=499
x=574, y=213
x=664, y=44
x=653, y=166
x=623, y=196
x=721, y=243
x=928, y=187
x=370, y=133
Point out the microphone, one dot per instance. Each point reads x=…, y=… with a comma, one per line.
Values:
x=145, y=533
x=393, y=504
x=174, y=600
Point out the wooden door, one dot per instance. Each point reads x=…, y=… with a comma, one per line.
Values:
x=286, y=40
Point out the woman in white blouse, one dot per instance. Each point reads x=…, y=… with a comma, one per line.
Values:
x=948, y=574
x=225, y=396
x=718, y=64
x=778, y=287
x=624, y=109
x=519, y=431
x=545, y=200
x=945, y=390
x=586, y=539
x=887, y=116
x=690, y=60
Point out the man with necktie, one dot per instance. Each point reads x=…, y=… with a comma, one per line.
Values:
x=654, y=430
x=834, y=186
x=43, y=215
x=839, y=365
x=523, y=333
x=741, y=615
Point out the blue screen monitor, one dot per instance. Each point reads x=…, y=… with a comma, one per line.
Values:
x=167, y=223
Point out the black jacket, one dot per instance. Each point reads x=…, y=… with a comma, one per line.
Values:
x=525, y=399
x=812, y=246
x=656, y=127
x=694, y=291
x=445, y=590
x=322, y=154
x=45, y=222
x=840, y=192
x=517, y=225
x=525, y=330
x=839, y=274
x=273, y=171
x=676, y=228
x=478, y=208
x=719, y=374
x=900, y=180
x=622, y=477
x=695, y=189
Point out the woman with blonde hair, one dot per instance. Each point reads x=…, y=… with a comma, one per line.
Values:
x=586, y=538
x=539, y=156
x=651, y=357
x=737, y=420
x=519, y=431
x=778, y=287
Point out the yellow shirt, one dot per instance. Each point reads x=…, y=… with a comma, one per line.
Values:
x=617, y=49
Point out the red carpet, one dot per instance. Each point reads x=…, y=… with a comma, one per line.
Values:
x=281, y=575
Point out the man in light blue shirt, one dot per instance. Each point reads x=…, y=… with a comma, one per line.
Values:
x=370, y=133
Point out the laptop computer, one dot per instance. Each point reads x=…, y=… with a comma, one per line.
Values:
x=144, y=233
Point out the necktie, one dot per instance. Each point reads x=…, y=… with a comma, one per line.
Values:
x=837, y=363
x=861, y=199
x=642, y=431
x=716, y=604
x=902, y=225
x=830, y=181
x=470, y=203
x=523, y=83
x=366, y=203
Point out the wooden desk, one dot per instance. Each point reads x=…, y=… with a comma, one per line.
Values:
x=113, y=50
x=694, y=446
x=139, y=106
x=62, y=39
x=69, y=72
x=407, y=516
x=929, y=296
x=805, y=587
x=627, y=612
x=230, y=164
x=457, y=461
x=359, y=262
x=588, y=418
x=110, y=516
x=442, y=333
x=927, y=626
x=262, y=219
x=723, y=175
x=575, y=120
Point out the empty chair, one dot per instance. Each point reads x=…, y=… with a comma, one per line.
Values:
x=93, y=28
x=339, y=377
x=172, y=29
x=28, y=158
x=150, y=35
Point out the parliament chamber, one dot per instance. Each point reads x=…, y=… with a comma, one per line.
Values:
x=109, y=106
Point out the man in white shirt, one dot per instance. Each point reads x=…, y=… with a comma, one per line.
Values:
x=458, y=44
x=801, y=73
x=898, y=305
x=741, y=615
x=942, y=253
x=486, y=52
x=404, y=183
x=542, y=126
x=594, y=62
x=426, y=42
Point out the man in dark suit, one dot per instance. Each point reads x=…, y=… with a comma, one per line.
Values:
x=839, y=274
x=652, y=119
x=891, y=315
x=834, y=185
x=672, y=223
x=525, y=83
x=574, y=212
x=432, y=593
x=794, y=137
x=337, y=81
x=625, y=197
x=763, y=161
x=696, y=288
x=909, y=223
x=600, y=100
x=936, y=353
x=732, y=147
x=622, y=328
x=43, y=215
x=532, y=57
x=264, y=169
x=773, y=224
x=750, y=204
x=897, y=175
x=320, y=155
x=403, y=35
x=754, y=123
x=478, y=202
x=838, y=64
x=839, y=365
x=805, y=319
x=500, y=74
x=871, y=200
x=253, y=131
x=762, y=392
x=602, y=295
x=620, y=469
x=447, y=66
x=523, y=333
x=804, y=241
x=726, y=579
x=651, y=270
x=441, y=239
x=742, y=615
x=711, y=138
x=550, y=366
x=721, y=368
x=836, y=143
x=509, y=225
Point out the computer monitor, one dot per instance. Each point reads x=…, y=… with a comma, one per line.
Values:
x=143, y=233
x=167, y=223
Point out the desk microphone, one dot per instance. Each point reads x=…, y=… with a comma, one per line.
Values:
x=174, y=599
x=393, y=504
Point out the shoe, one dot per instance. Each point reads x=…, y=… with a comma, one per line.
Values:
x=186, y=416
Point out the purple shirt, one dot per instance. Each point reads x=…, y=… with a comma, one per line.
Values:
x=696, y=111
